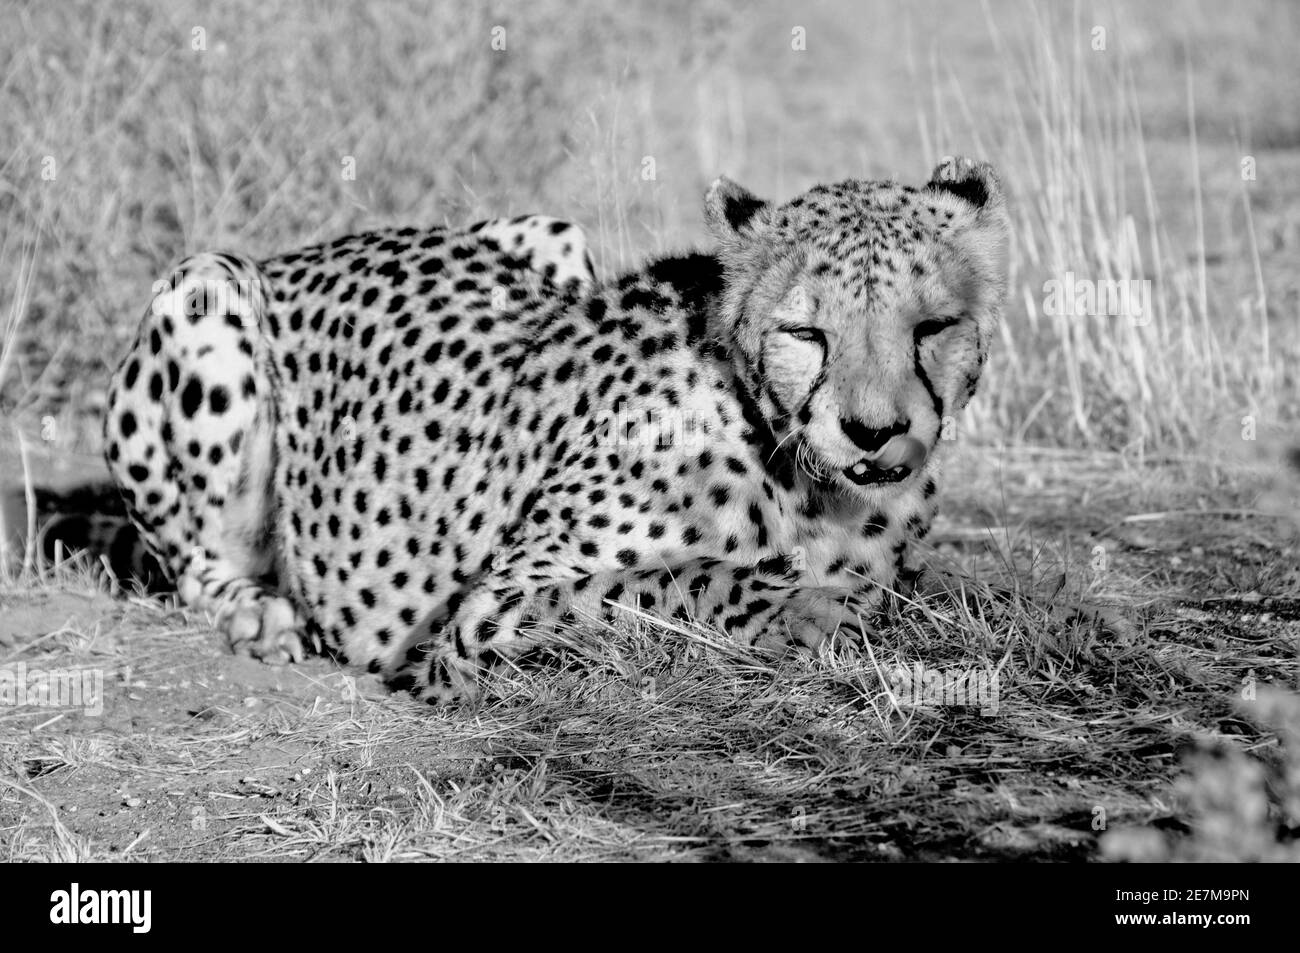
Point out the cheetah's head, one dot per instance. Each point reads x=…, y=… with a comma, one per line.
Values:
x=861, y=314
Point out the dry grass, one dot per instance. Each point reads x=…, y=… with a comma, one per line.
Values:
x=654, y=742
x=1105, y=459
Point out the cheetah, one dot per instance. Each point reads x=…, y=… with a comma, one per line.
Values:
x=194, y=405
x=425, y=451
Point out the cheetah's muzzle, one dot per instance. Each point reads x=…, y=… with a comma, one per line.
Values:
x=865, y=474
x=893, y=463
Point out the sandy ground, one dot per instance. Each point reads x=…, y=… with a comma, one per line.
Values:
x=199, y=754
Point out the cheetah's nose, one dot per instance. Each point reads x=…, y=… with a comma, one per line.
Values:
x=872, y=439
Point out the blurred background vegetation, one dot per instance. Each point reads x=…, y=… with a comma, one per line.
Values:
x=135, y=133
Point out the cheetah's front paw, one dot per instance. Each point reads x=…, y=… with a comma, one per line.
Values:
x=812, y=616
x=269, y=629
x=451, y=680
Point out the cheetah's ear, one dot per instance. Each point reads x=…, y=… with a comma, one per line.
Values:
x=731, y=210
x=968, y=179
x=972, y=195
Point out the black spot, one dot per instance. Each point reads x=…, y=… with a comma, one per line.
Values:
x=875, y=525
x=191, y=397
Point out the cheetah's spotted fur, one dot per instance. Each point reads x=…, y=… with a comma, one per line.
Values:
x=411, y=445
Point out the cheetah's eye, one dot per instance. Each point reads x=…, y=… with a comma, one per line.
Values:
x=932, y=327
x=811, y=335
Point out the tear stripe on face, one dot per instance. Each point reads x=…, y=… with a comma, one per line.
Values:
x=792, y=308
x=958, y=355
x=766, y=391
x=804, y=409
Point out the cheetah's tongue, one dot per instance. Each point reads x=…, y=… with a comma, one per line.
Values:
x=899, y=451
x=893, y=462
